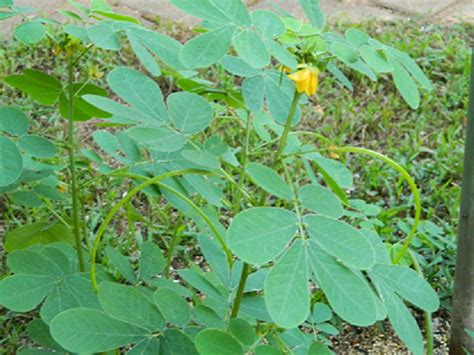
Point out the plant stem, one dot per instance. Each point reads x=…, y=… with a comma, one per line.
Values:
x=72, y=167
x=411, y=183
x=240, y=291
x=276, y=159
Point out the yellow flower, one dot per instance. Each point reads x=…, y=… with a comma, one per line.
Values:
x=306, y=80
x=94, y=72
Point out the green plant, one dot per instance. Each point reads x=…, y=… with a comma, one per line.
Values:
x=271, y=215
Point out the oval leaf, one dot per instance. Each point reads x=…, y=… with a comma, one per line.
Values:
x=11, y=162
x=251, y=48
x=321, y=200
x=216, y=342
x=286, y=288
x=173, y=307
x=269, y=180
x=208, y=48
x=259, y=234
x=189, y=112
x=348, y=293
x=341, y=240
x=82, y=330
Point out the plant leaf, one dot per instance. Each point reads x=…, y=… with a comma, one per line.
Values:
x=121, y=264
x=251, y=49
x=269, y=180
x=173, y=307
x=30, y=32
x=235, y=10
x=73, y=291
x=321, y=200
x=405, y=85
x=217, y=342
x=253, y=90
x=268, y=23
x=258, y=235
x=151, y=261
x=242, y=331
x=104, y=36
x=159, y=139
x=142, y=53
x=83, y=110
x=40, y=86
x=401, y=319
x=341, y=240
x=38, y=233
x=189, y=112
x=38, y=331
x=127, y=304
x=164, y=47
x=11, y=162
x=286, y=288
x=208, y=48
x=22, y=293
x=375, y=59
x=175, y=342
x=138, y=90
x=408, y=284
x=82, y=330
x=30, y=262
x=37, y=146
x=13, y=121
x=313, y=11
x=348, y=293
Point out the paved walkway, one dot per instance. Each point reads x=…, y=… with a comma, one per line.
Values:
x=353, y=10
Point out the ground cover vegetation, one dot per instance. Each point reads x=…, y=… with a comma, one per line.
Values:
x=249, y=188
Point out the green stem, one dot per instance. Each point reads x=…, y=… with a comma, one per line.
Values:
x=240, y=291
x=427, y=315
x=72, y=167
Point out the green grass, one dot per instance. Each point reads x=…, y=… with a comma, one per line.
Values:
x=427, y=142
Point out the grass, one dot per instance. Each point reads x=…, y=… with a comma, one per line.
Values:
x=427, y=142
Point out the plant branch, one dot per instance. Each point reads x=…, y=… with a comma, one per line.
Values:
x=131, y=194
x=411, y=183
